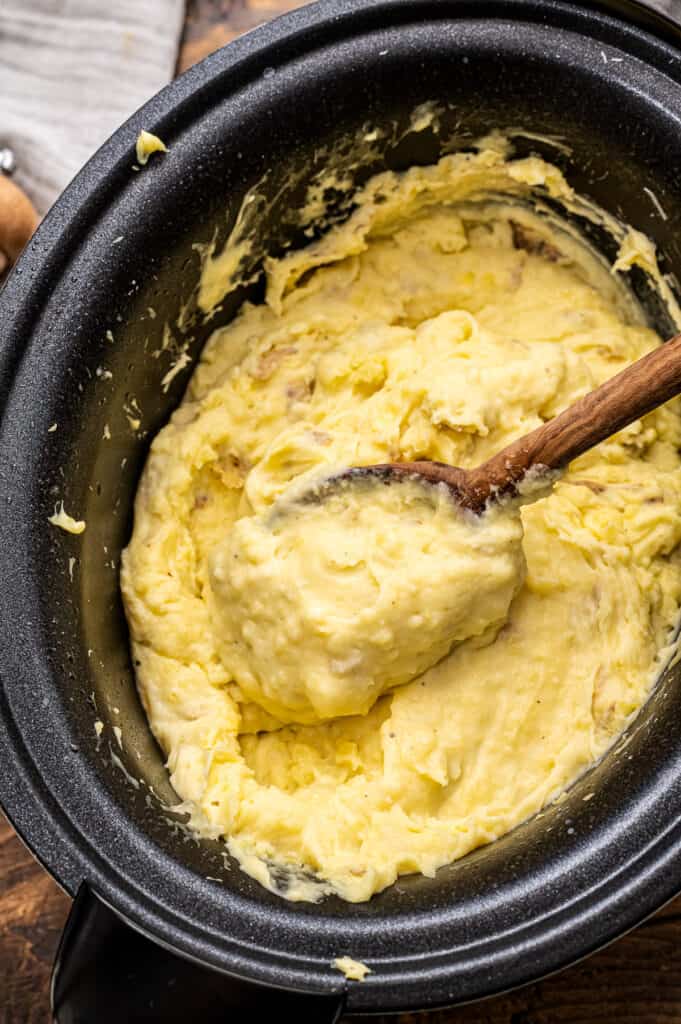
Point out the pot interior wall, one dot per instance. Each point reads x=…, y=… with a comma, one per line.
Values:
x=137, y=253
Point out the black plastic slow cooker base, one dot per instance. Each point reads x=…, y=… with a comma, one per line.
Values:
x=105, y=972
x=78, y=343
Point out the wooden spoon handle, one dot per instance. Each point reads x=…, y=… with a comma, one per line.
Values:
x=649, y=382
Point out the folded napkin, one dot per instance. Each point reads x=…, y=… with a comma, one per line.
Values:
x=70, y=72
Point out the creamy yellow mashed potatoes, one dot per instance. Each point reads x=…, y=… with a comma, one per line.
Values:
x=443, y=320
x=375, y=582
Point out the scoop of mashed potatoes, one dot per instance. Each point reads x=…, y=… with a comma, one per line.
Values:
x=444, y=319
x=376, y=582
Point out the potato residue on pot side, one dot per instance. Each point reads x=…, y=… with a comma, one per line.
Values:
x=444, y=319
x=146, y=145
x=65, y=522
x=354, y=970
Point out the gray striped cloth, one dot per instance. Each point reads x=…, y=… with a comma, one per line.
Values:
x=70, y=72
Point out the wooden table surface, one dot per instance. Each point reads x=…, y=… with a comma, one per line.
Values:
x=635, y=981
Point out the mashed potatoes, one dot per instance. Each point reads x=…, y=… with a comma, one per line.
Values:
x=442, y=321
x=375, y=582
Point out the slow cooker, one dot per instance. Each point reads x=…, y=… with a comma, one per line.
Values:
x=164, y=924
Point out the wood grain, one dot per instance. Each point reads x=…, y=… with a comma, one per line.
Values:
x=211, y=24
x=32, y=914
x=635, y=981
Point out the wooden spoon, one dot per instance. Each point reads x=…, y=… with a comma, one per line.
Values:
x=649, y=382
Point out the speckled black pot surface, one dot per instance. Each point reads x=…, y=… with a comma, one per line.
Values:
x=607, y=79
